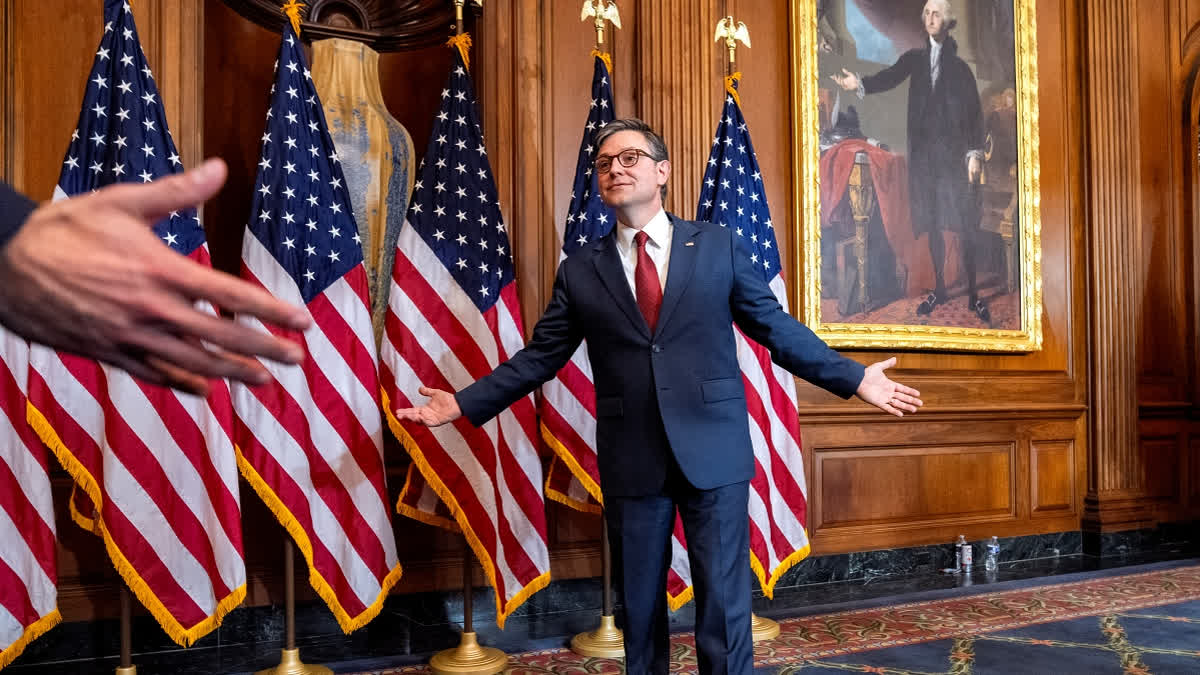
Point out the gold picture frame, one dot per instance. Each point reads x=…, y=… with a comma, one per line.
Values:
x=1017, y=285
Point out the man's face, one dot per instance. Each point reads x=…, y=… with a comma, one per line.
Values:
x=631, y=186
x=934, y=17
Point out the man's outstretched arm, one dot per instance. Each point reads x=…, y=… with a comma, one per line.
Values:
x=795, y=347
x=555, y=338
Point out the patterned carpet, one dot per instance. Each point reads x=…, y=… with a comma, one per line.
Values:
x=1138, y=624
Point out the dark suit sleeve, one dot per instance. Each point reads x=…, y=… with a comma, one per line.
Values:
x=891, y=77
x=555, y=338
x=792, y=345
x=14, y=209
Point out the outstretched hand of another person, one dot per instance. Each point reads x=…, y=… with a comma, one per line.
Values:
x=88, y=275
x=442, y=408
x=880, y=391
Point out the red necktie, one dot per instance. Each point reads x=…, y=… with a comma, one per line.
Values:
x=645, y=282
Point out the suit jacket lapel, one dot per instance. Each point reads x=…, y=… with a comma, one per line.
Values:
x=608, y=267
x=679, y=267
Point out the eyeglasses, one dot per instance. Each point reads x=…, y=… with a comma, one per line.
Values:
x=627, y=157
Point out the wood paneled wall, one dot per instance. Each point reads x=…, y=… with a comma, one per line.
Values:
x=1097, y=430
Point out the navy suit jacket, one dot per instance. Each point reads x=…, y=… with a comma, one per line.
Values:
x=14, y=209
x=679, y=390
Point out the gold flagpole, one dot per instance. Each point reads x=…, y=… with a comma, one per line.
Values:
x=289, y=660
x=607, y=640
x=469, y=657
x=126, y=667
x=761, y=628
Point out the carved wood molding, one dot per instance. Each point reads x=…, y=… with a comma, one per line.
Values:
x=509, y=65
x=386, y=26
x=9, y=167
x=679, y=87
x=1113, y=246
x=172, y=33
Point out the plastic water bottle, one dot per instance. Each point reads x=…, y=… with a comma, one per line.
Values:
x=963, y=551
x=993, y=555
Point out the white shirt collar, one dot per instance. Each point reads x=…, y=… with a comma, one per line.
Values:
x=935, y=47
x=657, y=229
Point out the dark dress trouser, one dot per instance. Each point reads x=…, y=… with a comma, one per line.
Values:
x=716, y=526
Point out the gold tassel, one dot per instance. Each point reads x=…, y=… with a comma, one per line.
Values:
x=463, y=43
x=606, y=58
x=730, y=82
x=292, y=9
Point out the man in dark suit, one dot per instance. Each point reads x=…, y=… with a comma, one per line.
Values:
x=945, y=146
x=656, y=301
x=88, y=275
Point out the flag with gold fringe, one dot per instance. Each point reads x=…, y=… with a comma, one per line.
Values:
x=453, y=315
x=28, y=568
x=154, y=469
x=310, y=441
x=732, y=195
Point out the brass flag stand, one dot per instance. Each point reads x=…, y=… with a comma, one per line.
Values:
x=468, y=658
x=289, y=661
x=606, y=641
x=732, y=33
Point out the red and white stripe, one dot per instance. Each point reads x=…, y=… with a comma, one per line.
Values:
x=159, y=468
x=778, y=493
x=28, y=576
x=310, y=441
x=489, y=478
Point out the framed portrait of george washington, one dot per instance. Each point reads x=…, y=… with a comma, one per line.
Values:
x=915, y=144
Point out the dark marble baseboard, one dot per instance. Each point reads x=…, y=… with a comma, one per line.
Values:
x=413, y=626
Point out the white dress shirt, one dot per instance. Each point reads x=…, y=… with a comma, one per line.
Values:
x=935, y=57
x=658, y=245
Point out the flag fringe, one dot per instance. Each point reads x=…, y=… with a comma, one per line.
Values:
x=141, y=590
x=503, y=609
x=32, y=632
x=570, y=502
x=677, y=601
x=419, y=515
x=768, y=585
x=86, y=522
x=289, y=522
x=582, y=476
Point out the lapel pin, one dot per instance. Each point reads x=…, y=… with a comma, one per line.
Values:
x=690, y=243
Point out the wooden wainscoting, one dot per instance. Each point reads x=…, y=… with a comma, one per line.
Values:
x=886, y=484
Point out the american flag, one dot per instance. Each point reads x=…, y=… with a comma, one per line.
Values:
x=453, y=315
x=311, y=440
x=29, y=601
x=157, y=466
x=568, y=409
x=732, y=195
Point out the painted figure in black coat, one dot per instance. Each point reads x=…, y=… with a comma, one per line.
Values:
x=945, y=141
